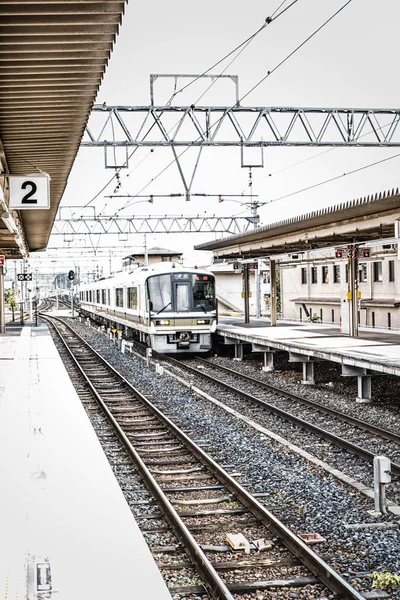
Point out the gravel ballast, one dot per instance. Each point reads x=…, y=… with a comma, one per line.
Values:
x=309, y=499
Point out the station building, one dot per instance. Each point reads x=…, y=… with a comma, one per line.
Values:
x=336, y=265
x=313, y=289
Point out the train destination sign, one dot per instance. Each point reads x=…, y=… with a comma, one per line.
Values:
x=29, y=192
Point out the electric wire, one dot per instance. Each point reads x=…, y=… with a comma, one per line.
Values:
x=315, y=185
x=300, y=162
x=244, y=44
x=269, y=73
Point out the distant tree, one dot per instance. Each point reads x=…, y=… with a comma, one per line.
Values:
x=9, y=298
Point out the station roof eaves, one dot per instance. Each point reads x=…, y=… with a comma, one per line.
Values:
x=53, y=55
x=357, y=220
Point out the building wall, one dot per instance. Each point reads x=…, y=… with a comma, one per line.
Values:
x=325, y=298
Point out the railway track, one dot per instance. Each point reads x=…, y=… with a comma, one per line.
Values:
x=197, y=498
x=315, y=418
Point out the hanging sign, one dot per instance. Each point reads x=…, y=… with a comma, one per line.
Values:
x=29, y=192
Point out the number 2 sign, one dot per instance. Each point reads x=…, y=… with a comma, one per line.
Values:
x=29, y=191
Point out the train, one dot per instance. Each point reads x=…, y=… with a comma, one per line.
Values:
x=171, y=308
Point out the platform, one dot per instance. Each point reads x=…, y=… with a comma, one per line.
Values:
x=371, y=352
x=60, y=505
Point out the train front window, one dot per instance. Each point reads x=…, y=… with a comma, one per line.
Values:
x=203, y=292
x=160, y=293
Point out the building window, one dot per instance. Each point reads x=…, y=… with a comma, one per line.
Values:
x=373, y=319
x=103, y=297
x=303, y=275
x=362, y=271
x=391, y=270
x=320, y=314
x=301, y=314
x=119, y=297
x=108, y=297
x=132, y=297
x=325, y=275
x=389, y=321
x=166, y=259
x=314, y=277
x=336, y=273
x=377, y=271
x=333, y=315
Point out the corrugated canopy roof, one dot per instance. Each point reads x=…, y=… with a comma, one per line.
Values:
x=52, y=59
x=362, y=219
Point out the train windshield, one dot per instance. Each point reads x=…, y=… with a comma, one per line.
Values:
x=160, y=293
x=181, y=292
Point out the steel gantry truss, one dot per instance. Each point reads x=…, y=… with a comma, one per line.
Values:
x=119, y=128
x=247, y=126
x=123, y=226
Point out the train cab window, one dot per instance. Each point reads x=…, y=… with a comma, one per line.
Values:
x=119, y=297
x=132, y=297
x=203, y=292
x=159, y=288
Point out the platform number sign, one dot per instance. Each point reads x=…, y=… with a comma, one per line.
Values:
x=29, y=192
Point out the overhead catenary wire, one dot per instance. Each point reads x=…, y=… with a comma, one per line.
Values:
x=243, y=44
x=269, y=73
x=315, y=185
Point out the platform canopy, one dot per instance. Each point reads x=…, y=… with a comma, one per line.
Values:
x=356, y=221
x=53, y=54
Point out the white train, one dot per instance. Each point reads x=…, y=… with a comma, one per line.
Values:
x=169, y=307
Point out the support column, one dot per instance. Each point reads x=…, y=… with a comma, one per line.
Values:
x=238, y=352
x=353, y=277
x=364, y=377
x=268, y=362
x=272, y=266
x=364, y=389
x=2, y=303
x=308, y=373
x=246, y=290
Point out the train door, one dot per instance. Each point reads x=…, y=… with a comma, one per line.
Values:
x=182, y=296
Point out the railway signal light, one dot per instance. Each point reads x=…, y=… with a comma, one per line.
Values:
x=71, y=275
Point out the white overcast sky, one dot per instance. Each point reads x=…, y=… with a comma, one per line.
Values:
x=352, y=62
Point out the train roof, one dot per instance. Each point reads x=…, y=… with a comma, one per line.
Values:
x=142, y=273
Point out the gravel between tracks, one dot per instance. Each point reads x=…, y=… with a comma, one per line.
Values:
x=310, y=499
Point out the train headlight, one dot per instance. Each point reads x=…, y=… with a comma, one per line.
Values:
x=203, y=321
x=163, y=322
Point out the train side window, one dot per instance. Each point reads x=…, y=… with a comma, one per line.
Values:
x=103, y=297
x=108, y=297
x=97, y=296
x=132, y=297
x=119, y=297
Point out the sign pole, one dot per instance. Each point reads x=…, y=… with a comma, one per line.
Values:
x=2, y=303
